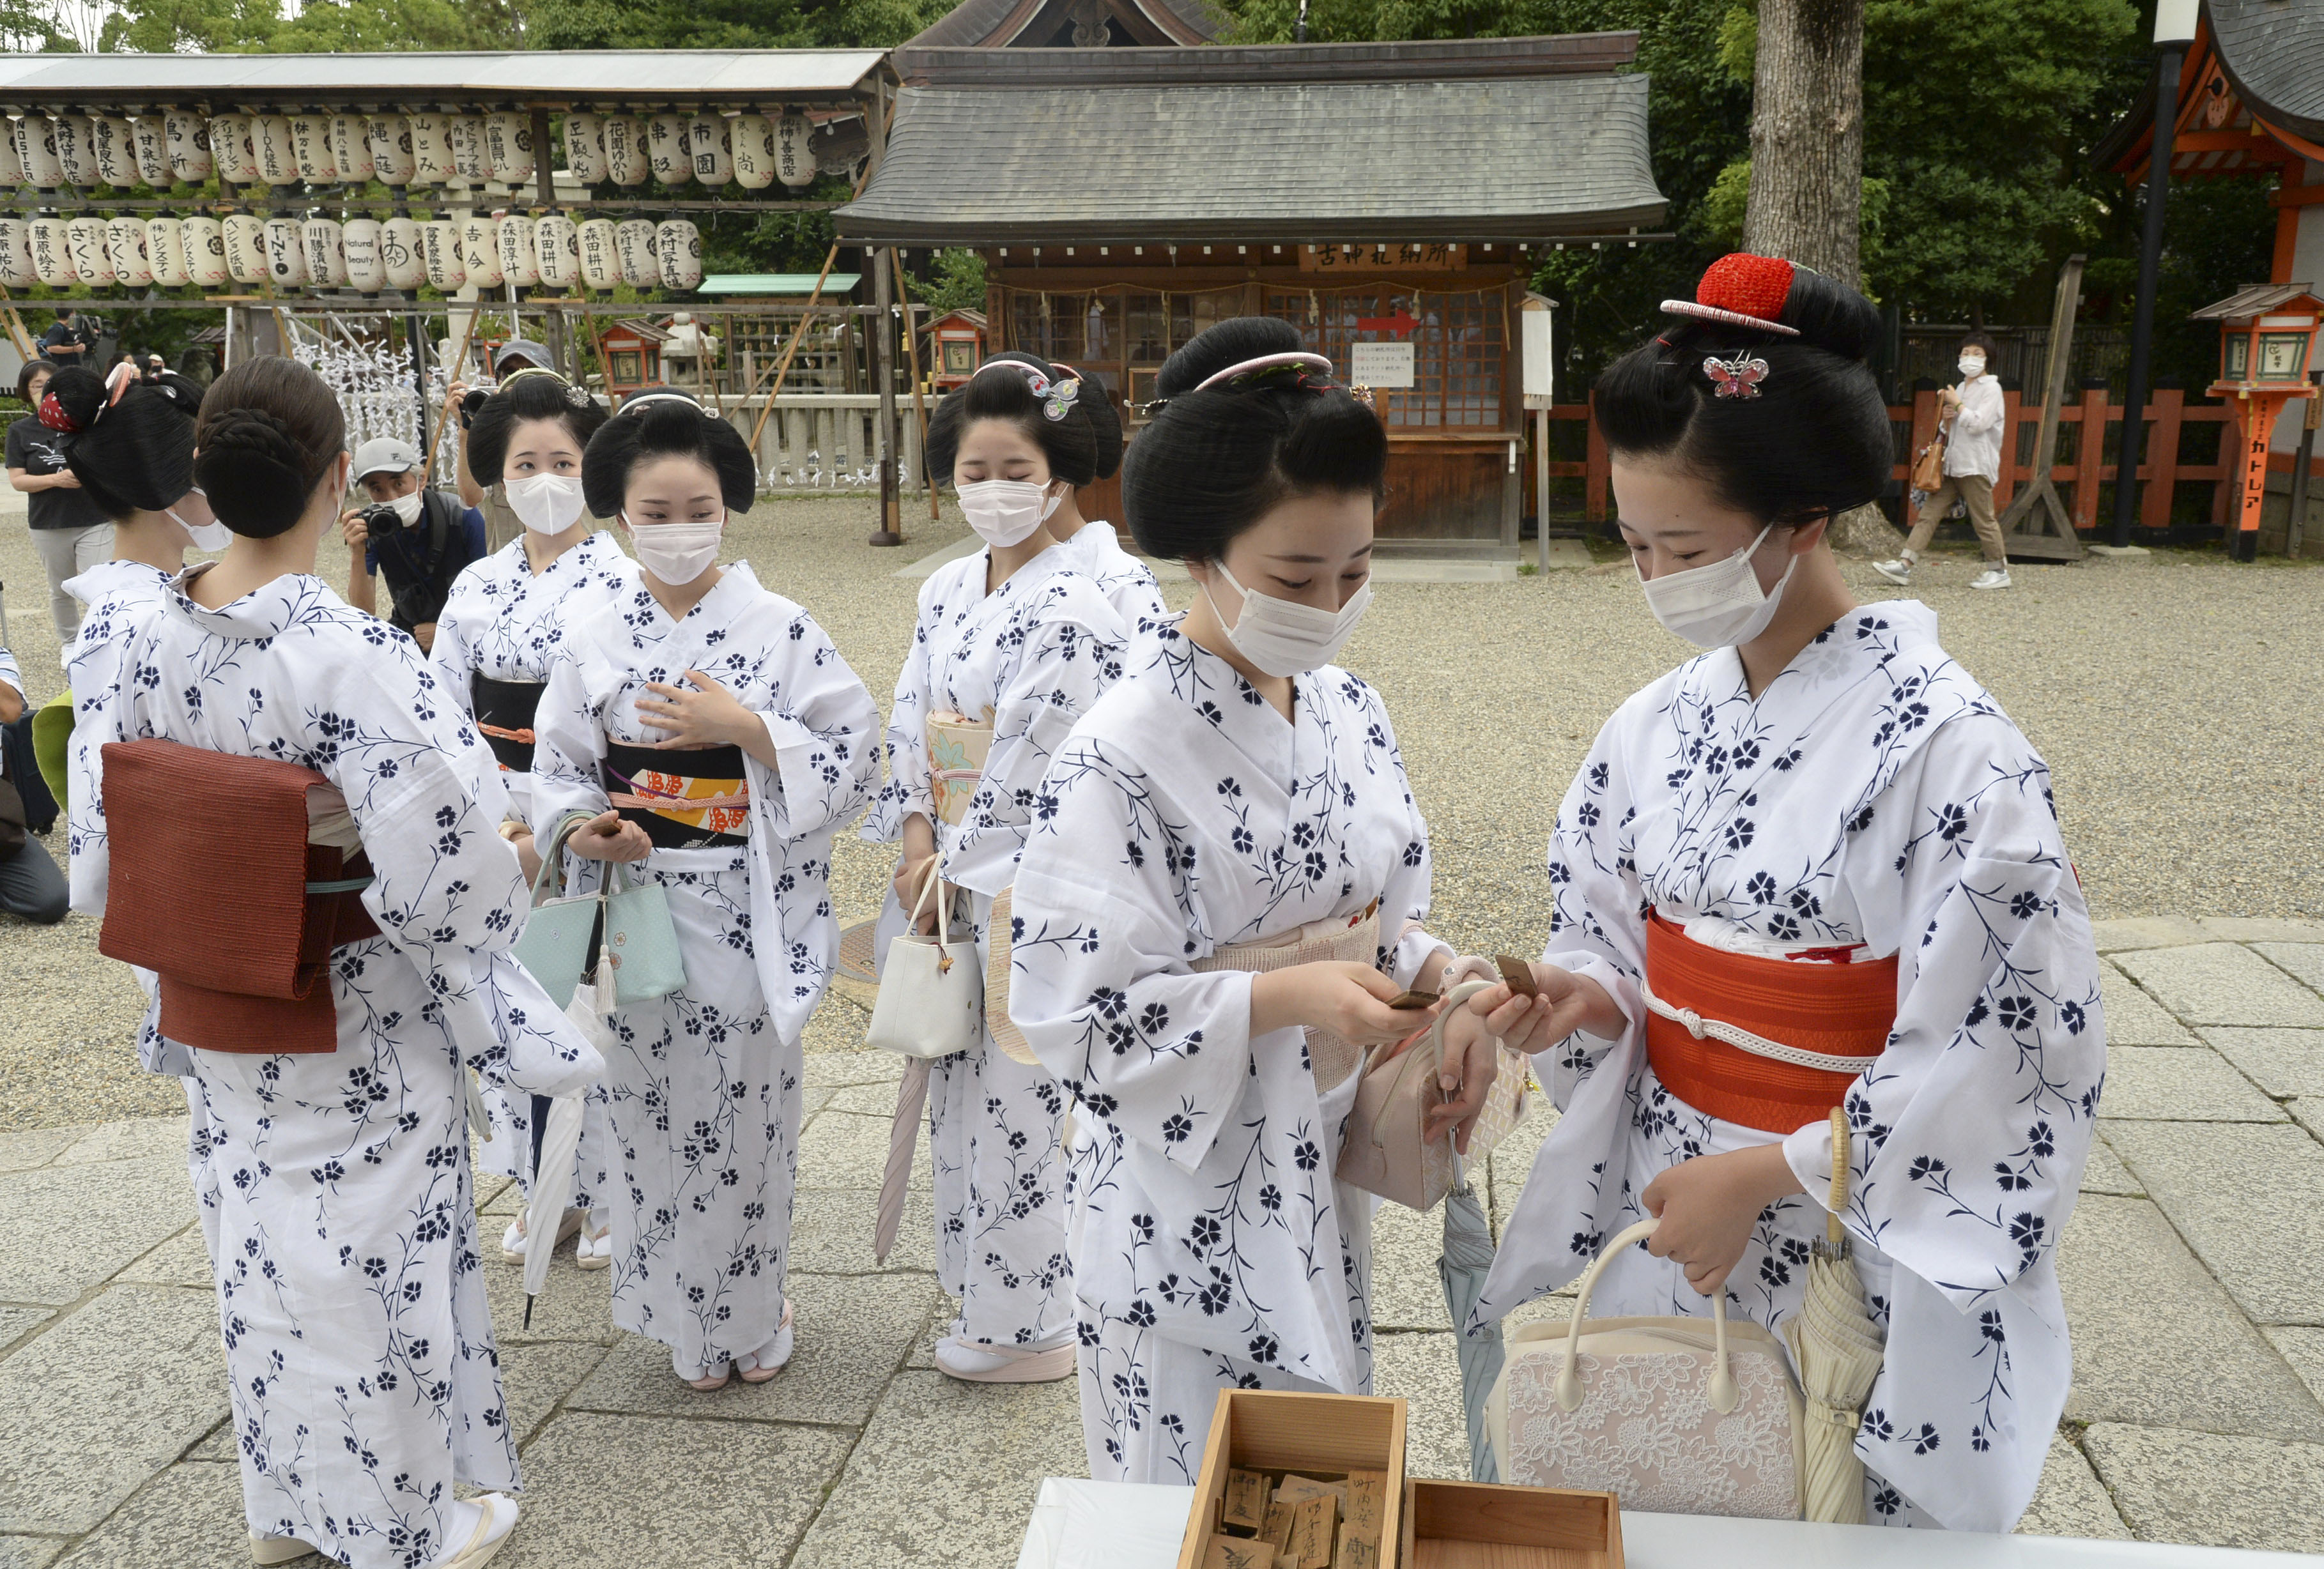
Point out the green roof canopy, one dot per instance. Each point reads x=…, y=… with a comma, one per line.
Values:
x=801, y=284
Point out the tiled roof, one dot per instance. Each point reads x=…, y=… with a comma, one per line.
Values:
x=1512, y=159
x=2274, y=53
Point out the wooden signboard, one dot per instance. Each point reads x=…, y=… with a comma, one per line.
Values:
x=1383, y=258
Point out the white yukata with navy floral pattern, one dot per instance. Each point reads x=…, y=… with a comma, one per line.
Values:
x=505, y=621
x=1126, y=582
x=363, y=1376
x=1032, y=656
x=704, y=1083
x=1212, y=1247
x=1874, y=794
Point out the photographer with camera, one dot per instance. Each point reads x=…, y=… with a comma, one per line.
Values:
x=420, y=538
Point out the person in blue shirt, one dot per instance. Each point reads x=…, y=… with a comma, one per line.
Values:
x=437, y=539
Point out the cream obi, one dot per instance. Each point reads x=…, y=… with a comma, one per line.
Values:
x=958, y=747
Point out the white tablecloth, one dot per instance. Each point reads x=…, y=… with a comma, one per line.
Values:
x=1113, y=1525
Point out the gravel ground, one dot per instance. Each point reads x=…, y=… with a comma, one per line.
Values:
x=2176, y=699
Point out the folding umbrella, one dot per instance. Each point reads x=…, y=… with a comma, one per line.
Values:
x=1838, y=1350
x=560, y=1137
x=903, y=1141
x=1466, y=1260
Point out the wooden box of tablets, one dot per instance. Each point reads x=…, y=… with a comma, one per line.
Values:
x=1298, y=1482
x=1470, y=1525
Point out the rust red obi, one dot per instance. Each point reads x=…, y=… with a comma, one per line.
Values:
x=1770, y=1043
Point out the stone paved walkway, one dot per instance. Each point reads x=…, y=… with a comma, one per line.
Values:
x=2193, y=1269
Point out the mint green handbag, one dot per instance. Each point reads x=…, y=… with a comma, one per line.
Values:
x=555, y=943
x=640, y=940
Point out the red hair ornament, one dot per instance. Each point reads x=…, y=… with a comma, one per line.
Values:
x=1740, y=290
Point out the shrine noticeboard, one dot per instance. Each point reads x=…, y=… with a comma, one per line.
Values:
x=1386, y=367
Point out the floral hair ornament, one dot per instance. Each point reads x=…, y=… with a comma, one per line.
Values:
x=1740, y=290
x=53, y=415
x=1737, y=378
x=1056, y=396
x=1265, y=366
x=573, y=395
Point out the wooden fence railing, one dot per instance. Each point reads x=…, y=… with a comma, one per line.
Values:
x=2078, y=473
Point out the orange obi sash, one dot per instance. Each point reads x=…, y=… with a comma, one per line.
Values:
x=1770, y=1043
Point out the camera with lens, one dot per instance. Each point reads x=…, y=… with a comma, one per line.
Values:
x=381, y=521
x=472, y=403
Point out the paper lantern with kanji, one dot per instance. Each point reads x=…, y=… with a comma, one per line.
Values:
x=634, y=239
x=794, y=158
x=508, y=147
x=402, y=253
x=75, y=156
x=707, y=137
x=16, y=269
x=277, y=153
x=125, y=254
x=753, y=140
x=232, y=153
x=556, y=250
x=324, y=247
x=36, y=149
x=584, y=147
x=440, y=254
x=366, y=270
x=351, y=147
x=245, y=248
x=480, y=251
x=518, y=264
x=114, y=146
x=626, y=159
x=84, y=248
x=311, y=144
x=601, y=255
x=432, y=149
x=667, y=154
x=52, y=241
x=390, y=136
x=12, y=167
x=165, y=248
x=149, y=144
x=678, y=248
x=206, y=253
x=192, y=158
x=465, y=135
x=286, y=253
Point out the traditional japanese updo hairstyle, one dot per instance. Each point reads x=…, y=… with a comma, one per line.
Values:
x=658, y=422
x=1096, y=405
x=1051, y=405
x=1760, y=390
x=268, y=431
x=1229, y=445
x=131, y=442
x=531, y=394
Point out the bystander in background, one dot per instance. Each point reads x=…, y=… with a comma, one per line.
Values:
x=1972, y=417
x=418, y=537
x=69, y=532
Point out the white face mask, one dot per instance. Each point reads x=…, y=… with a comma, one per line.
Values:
x=407, y=508
x=1720, y=605
x=206, y=535
x=1283, y=637
x=1005, y=512
x=677, y=552
x=546, y=503
x=1972, y=367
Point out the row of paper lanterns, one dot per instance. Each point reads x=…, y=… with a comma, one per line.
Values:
x=366, y=254
x=398, y=150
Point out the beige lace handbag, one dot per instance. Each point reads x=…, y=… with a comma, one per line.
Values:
x=1678, y=1415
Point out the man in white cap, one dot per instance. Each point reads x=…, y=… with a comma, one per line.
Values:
x=501, y=521
x=419, y=539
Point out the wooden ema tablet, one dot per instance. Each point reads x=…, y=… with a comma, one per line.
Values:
x=1276, y=1531
x=1227, y=1553
x=1317, y=1438
x=1366, y=1503
x=1246, y=1501
x=1314, y=1529
x=1468, y=1525
x=1356, y=1552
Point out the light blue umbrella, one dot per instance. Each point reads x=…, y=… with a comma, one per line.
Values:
x=1467, y=1259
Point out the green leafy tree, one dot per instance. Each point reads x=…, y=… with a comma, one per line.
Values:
x=727, y=23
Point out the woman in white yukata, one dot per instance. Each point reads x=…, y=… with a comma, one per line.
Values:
x=359, y=1349
x=718, y=741
x=1824, y=831
x=502, y=622
x=1095, y=547
x=1237, y=790
x=1011, y=646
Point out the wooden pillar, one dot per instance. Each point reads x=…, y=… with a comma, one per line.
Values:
x=883, y=353
x=2161, y=455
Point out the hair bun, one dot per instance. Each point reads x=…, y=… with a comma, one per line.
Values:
x=1228, y=342
x=80, y=392
x=255, y=472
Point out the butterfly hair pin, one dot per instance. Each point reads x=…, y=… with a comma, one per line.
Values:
x=1736, y=378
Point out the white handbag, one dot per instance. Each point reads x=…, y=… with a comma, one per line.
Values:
x=931, y=993
x=1675, y=1415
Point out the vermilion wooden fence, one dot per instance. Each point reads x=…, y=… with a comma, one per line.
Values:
x=2077, y=474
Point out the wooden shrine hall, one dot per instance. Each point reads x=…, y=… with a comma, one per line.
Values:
x=1385, y=199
